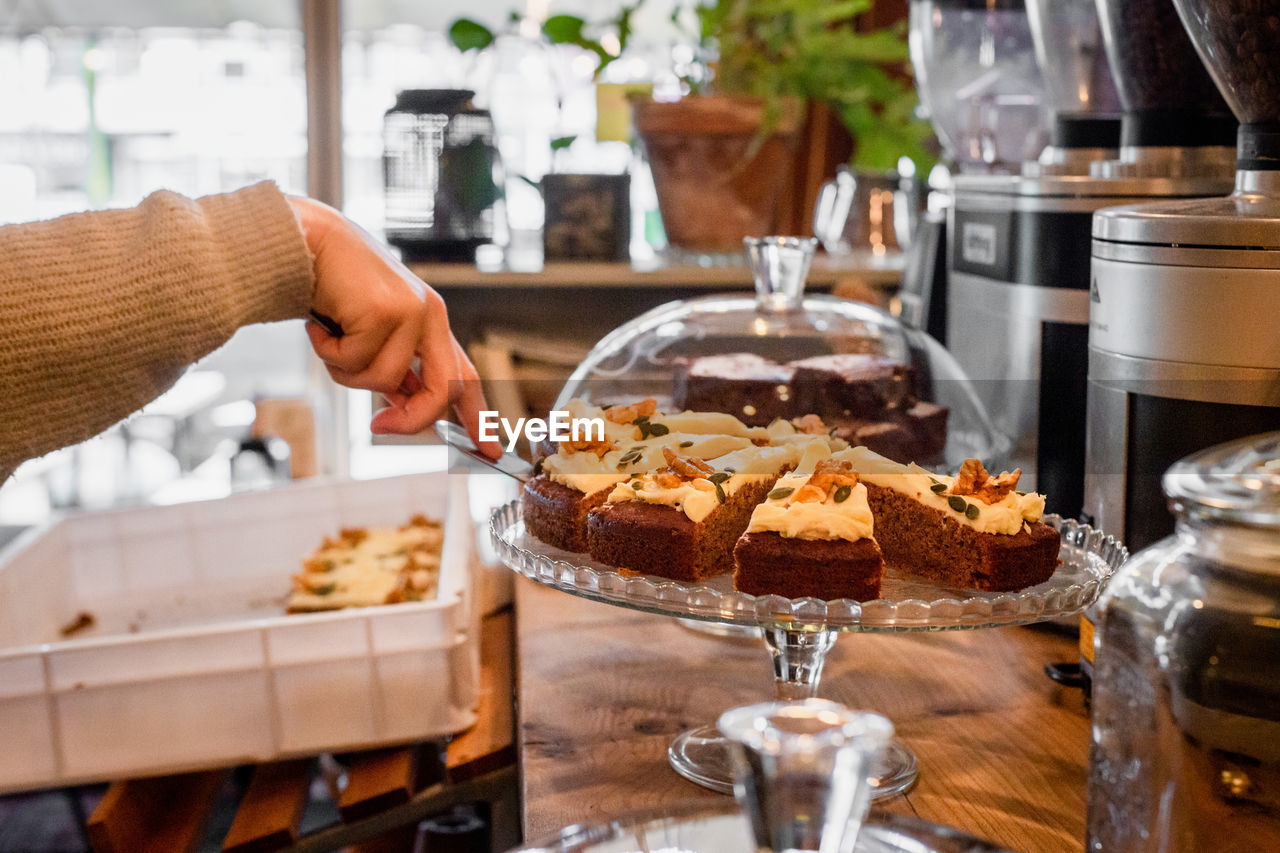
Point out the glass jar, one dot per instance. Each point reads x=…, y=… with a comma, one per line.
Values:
x=1186, y=714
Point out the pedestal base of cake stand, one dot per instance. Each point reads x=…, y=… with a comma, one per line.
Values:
x=702, y=756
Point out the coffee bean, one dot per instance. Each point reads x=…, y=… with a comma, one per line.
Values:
x=1242, y=39
x=1158, y=66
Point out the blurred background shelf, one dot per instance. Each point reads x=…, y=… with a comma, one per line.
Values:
x=827, y=274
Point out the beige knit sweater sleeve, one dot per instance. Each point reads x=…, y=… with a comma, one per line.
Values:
x=101, y=312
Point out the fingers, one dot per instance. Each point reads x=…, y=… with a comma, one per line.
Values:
x=388, y=317
x=439, y=370
x=470, y=402
x=386, y=372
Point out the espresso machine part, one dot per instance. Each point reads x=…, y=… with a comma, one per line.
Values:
x=442, y=176
x=979, y=83
x=981, y=87
x=1176, y=123
x=1082, y=94
x=1018, y=309
x=1019, y=267
x=1078, y=141
x=1183, y=348
x=923, y=294
x=1068, y=38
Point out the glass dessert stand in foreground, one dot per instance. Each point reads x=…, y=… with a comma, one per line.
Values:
x=799, y=632
x=703, y=829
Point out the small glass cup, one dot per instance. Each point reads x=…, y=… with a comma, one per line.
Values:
x=800, y=771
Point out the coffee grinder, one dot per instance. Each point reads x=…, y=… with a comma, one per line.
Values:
x=980, y=86
x=1184, y=337
x=1019, y=260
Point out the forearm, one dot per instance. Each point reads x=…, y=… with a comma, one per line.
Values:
x=101, y=312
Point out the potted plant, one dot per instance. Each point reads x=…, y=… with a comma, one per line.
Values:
x=724, y=158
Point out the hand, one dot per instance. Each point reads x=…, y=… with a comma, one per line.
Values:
x=388, y=317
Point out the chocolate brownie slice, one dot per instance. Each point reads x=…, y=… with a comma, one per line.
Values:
x=749, y=387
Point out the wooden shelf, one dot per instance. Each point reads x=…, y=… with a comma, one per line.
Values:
x=825, y=274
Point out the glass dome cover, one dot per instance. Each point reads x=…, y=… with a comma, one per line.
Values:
x=783, y=354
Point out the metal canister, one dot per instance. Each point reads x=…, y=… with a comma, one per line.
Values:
x=1184, y=347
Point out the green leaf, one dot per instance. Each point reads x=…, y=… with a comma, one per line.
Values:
x=624, y=24
x=466, y=34
x=562, y=142
x=564, y=29
x=843, y=11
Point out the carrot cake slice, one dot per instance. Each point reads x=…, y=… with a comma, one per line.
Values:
x=367, y=566
x=972, y=531
x=682, y=521
x=579, y=477
x=811, y=537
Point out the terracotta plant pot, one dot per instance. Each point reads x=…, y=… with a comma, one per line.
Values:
x=718, y=179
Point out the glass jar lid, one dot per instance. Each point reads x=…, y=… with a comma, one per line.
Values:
x=1238, y=481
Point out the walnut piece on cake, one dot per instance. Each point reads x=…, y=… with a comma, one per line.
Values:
x=598, y=446
x=628, y=414
x=974, y=481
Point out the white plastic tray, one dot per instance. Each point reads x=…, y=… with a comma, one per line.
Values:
x=193, y=663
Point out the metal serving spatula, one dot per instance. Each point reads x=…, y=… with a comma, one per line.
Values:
x=508, y=463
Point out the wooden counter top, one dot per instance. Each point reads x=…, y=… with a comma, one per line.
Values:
x=602, y=690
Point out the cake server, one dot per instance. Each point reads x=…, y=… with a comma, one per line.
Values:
x=508, y=463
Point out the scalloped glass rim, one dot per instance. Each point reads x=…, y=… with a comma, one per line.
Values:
x=703, y=828
x=1085, y=551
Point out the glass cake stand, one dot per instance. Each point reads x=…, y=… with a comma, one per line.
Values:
x=703, y=829
x=799, y=632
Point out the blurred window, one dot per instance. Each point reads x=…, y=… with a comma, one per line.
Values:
x=185, y=97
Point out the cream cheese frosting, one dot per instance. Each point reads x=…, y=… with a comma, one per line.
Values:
x=782, y=431
x=702, y=423
x=1004, y=516
x=847, y=519
x=691, y=423
x=698, y=498
x=588, y=472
